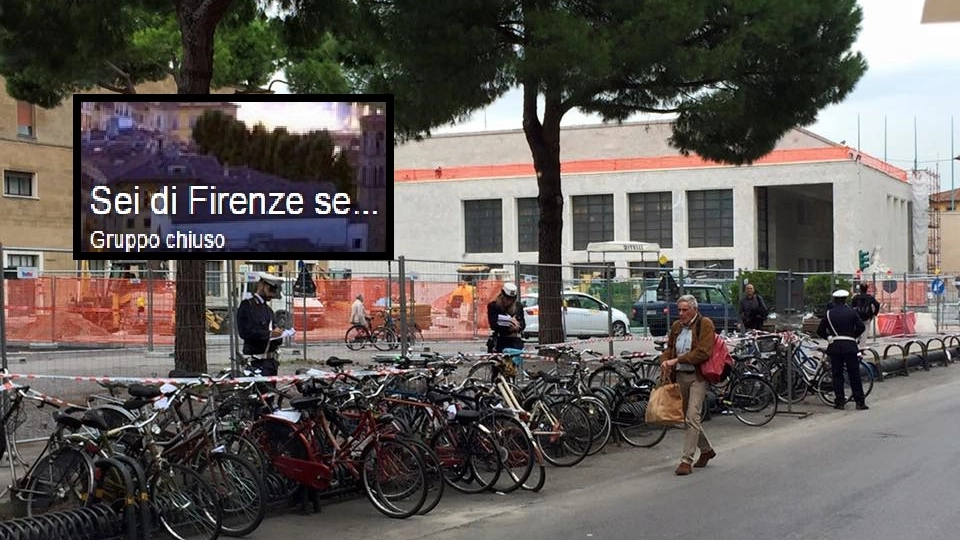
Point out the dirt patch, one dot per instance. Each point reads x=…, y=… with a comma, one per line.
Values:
x=54, y=328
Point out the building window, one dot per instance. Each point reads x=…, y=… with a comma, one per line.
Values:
x=214, y=283
x=357, y=243
x=19, y=184
x=647, y=270
x=711, y=217
x=529, y=273
x=483, y=226
x=592, y=219
x=711, y=269
x=26, y=119
x=651, y=218
x=528, y=224
x=16, y=260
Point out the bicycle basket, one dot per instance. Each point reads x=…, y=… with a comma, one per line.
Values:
x=409, y=385
x=768, y=344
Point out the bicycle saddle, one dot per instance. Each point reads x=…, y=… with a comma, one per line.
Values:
x=144, y=391
x=307, y=403
x=333, y=361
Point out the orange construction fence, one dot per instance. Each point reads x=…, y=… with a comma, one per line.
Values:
x=87, y=310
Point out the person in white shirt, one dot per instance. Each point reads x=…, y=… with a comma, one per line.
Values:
x=358, y=313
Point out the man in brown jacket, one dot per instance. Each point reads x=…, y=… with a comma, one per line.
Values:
x=690, y=343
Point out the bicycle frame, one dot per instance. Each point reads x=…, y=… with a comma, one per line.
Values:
x=317, y=469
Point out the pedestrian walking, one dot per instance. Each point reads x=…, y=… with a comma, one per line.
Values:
x=689, y=344
x=841, y=326
x=505, y=315
x=753, y=310
x=867, y=307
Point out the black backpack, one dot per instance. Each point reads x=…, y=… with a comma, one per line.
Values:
x=863, y=306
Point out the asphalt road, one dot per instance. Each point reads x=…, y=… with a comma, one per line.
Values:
x=887, y=473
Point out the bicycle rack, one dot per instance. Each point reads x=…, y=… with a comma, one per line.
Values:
x=96, y=522
x=875, y=363
x=923, y=353
x=947, y=357
x=903, y=368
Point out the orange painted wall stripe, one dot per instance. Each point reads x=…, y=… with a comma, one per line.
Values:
x=512, y=170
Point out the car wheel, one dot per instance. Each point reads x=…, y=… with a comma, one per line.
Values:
x=619, y=329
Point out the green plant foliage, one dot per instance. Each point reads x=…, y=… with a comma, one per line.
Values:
x=818, y=289
x=765, y=283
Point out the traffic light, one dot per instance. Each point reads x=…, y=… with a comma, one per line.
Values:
x=864, y=259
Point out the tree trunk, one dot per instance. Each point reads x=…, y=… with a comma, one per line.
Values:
x=198, y=20
x=544, y=141
x=190, y=340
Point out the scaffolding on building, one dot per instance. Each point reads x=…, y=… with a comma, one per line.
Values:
x=933, y=232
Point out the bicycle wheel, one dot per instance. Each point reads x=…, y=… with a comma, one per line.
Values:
x=629, y=420
x=244, y=446
x=779, y=382
x=825, y=384
x=600, y=424
x=752, y=399
x=434, y=475
x=517, y=449
x=357, y=337
x=188, y=506
x=384, y=338
x=562, y=431
x=62, y=480
x=866, y=377
x=608, y=376
x=394, y=478
x=470, y=456
x=483, y=371
x=241, y=490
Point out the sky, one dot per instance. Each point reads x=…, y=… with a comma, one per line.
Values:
x=913, y=75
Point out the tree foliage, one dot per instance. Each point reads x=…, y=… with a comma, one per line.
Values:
x=736, y=74
x=54, y=48
x=300, y=157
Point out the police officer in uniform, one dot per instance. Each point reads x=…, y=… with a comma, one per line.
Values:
x=841, y=326
x=257, y=326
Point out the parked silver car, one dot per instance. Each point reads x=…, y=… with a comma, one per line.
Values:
x=584, y=316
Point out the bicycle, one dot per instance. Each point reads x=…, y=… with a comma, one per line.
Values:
x=312, y=446
x=359, y=335
x=813, y=374
x=747, y=394
x=414, y=333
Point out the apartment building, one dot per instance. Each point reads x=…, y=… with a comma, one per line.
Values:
x=36, y=206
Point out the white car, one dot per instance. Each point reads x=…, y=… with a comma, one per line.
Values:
x=584, y=316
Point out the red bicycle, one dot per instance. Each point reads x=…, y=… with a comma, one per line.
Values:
x=314, y=445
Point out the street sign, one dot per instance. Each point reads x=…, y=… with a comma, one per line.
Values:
x=890, y=286
x=936, y=286
x=663, y=260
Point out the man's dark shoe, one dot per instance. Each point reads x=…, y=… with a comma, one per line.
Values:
x=838, y=406
x=683, y=469
x=705, y=456
x=862, y=407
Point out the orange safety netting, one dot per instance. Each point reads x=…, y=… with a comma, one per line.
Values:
x=87, y=310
